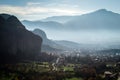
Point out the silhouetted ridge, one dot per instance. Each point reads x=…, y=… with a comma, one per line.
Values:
x=97, y=20
x=5, y=16
x=41, y=33
x=102, y=10
x=17, y=43
x=47, y=45
x=14, y=21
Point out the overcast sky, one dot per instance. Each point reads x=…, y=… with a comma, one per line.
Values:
x=38, y=9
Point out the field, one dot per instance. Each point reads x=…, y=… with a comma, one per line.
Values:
x=66, y=71
x=41, y=71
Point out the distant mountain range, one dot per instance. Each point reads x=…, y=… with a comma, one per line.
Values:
x=53, y=45
x=60, y=19
x=100, y=19
x=101, y=26
x=69, y=44
x=47, y=45
x=50, y=25
x=64, y=45
x=16, y=42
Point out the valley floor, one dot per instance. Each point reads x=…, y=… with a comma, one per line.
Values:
x=45, y=71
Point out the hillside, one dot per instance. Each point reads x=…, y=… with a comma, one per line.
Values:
x=49, y=25
x=17, y=43
x=98, y=20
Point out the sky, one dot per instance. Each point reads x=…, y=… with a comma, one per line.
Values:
x=40, y=9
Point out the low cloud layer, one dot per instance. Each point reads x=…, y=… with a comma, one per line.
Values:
x=34, y=11
x=38, y=9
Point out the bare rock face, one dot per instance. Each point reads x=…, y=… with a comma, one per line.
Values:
x=17, y=43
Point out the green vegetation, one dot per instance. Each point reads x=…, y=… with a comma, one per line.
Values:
x=68, y=68
x=67, y=71
x=33, y=70
x=74, y=79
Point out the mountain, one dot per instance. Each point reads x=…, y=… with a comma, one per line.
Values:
x=42, y=34
x=99, y=20
x=42, y=24
x=98, y=27
x=55, y=45
x=16, y=42
x=80, y=46
x=46, y=41
x=48, y=45
x=49, y=49
x=60, y=19
x=69, y=44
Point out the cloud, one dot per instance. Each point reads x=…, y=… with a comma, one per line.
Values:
x=21, y=10
x=40, y=10
x=11, y=9
x=33, y=3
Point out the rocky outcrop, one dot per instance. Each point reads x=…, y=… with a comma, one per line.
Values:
x=17, y=43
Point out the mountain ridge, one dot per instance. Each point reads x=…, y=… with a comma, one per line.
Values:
x=17, y=43
x=100, y=26
x=99, y=19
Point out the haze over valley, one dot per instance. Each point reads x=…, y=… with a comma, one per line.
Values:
x=59, y=40
x=97, y=27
